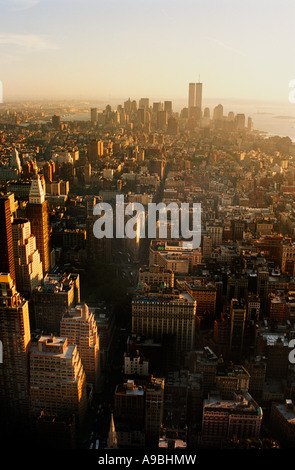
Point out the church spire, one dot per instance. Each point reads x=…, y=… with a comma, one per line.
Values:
x=112, y=437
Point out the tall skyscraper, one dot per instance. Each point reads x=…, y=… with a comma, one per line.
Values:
x=57, y=378
x=16, y=338
x=6, y=252
x=56, y=121
x=93, y=115
x=191, y=95
x=144, y=103
x=38, y=215
x=199, y=93
x=168, y=107
x=238, y=318
x=28, y=264
x=162, y=119
x=79, y=326
x=195, y=91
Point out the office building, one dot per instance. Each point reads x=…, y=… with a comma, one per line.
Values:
x=204, y=293
x=56, y=295
x=156, y=276
x=135, y=364
x=6, y=252
x=238, y=319
x=256, y=367
x=79, y=326
x=288, y=259
x=144, y=103
x=95, y=150
x=191, y=95
x=93, y=115
x=154, y=408
x=15, y=335
x=239, y=417
x=168, y=107
x=282, y=419
x=56, y=121
x=129, y=406
x=231, y=378
x=57, y=378
x=28, y=264
x=159, y=315
x=38, y=214
x=195, y=96
x=162, y=120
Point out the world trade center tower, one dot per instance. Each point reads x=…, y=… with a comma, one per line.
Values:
x=195, y=96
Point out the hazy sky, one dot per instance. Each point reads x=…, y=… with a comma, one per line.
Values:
x=108, y=49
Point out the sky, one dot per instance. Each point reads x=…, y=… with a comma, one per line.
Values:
x=116, y=49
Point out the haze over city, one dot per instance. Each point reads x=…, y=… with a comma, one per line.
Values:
x=111, y=49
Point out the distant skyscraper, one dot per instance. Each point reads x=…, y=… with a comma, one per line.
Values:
x=240, y=121
x=191, y=95
x=6, y=252
x=168, y=107
x=162, y=120
x=144, y=103
x=16, y=337
x=199, y=92
x=195, y=96
x=56, y=121
x=38, y=214
x=218, y=112
x=93, y=114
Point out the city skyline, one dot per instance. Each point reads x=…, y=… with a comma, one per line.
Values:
x=147, y=228
x=97, y=50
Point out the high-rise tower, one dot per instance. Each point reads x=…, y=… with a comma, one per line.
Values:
x=199, y=93
x=28, y=265
x=191, y=95
x=6, y=252
x=38, y=215
x=195, y=91
x=16, y=338
x=57, y=378
x=79, y=326
x=238, y=317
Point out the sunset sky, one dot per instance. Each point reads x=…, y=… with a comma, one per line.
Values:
x=98, y=49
